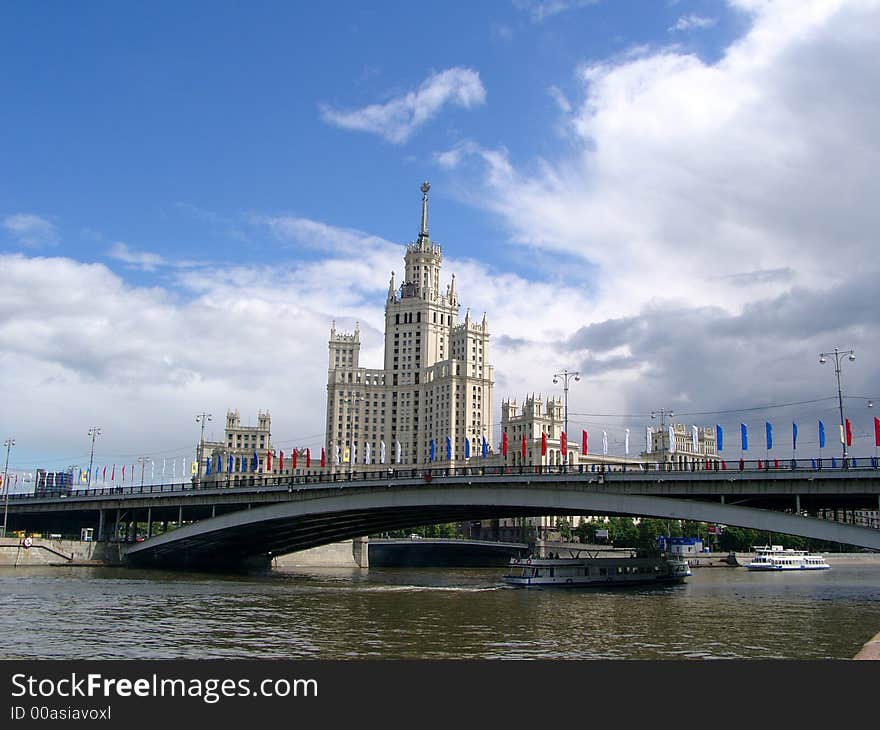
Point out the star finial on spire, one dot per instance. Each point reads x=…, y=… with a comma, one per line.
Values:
x=423, y=232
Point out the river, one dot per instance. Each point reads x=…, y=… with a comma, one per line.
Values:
x=118, y=613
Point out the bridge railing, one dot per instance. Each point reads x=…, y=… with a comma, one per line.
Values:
x=720, y=467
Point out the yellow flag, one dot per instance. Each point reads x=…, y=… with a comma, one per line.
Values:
x=346, y=455
x=192, y=468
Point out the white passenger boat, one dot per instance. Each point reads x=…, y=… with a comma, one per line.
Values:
x=600, y=569
x=775, y=557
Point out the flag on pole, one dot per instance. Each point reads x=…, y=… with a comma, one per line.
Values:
x=280, y=461
x=523, y=448
x=366, y=452
x=648, y=432
x=293, y=457
x=793, y=436
x=604, y=442
x=848, y=433
x=231, y=465
x=335, y=454
x=113, y=473
x=163, y=470
x=769, y=429
x=255, y=463
x=626, y=441
x=104, y=474
x=449, y=448
x=467, y=448
x=381, y=452
x=268, y=461
x=207, y=467
x=719, y=437
x=485, y=448
x=584, y=442
x=543, y=443
x=398, y=453
x=308, y=458
x=695, y=439
x=876, y=431
x=323, y=458
x=563, y=446
x=821, y=435
x=431, y=455
x=123, y=472
x=671, y=439
x=744, y=435
x=504, y=444
x=354, y=453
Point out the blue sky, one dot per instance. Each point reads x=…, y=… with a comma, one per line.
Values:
x=674, y=197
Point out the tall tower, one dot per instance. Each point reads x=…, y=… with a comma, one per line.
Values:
x=436, y=381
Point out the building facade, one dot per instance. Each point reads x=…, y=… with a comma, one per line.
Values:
x=243, y=452
x=681, y=447
x=434, y=390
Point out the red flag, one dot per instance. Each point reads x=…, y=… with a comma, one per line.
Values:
x=268, y=461
x=563, y=445
x=293, y=458
x=523, y=448
x=583, y=442
x=323, y=457
x=504, y=444
x=123, y=472
x=876, y=431
x=132, y=471
x=848, y=433
x=308, y=458
x=280, y=461
x=104, y=474
x=543, y=443
x=113, y=473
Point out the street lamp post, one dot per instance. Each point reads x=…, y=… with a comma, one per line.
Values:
x=143, y=460
x=566, y=375
x=9, y=443
x=350, y=400
x=94, y=432
x=837, y=355
x=662, y=414
x=201, y=418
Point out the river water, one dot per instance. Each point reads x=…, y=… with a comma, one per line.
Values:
x=117, y=613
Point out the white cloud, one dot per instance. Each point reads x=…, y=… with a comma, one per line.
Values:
x=31, y=230
x=691, y=22
x=143, y=260
x=398, y=119
x=540, y=10
x=728, y=187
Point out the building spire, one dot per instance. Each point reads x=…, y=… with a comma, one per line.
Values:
x=423, y=232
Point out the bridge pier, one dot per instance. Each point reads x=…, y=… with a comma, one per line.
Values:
x=797, y=504
x=149, y=522
x=180, y=516
x=116, y=526
x=100, y=537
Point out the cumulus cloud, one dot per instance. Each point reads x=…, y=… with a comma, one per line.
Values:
x=398, y=119
x=704, y=201
x=31, y=230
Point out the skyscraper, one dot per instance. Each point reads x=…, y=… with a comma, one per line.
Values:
x=436, y=382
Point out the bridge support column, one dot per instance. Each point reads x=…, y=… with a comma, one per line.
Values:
x=214, y=510
x=797, y=503
x=722, y=499
x=100, y=525
x=149, y=522
x=116, y=526
x=131, y=531
x=180, y=516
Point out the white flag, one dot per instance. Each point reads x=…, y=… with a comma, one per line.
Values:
x=381, y=452
x=626, y=442
x=336, y=454
x=695, y=434
x=648, y=433
x=354, y=453
x=604, y=442
x=671, y=439
x=366, y=452
x=398, y=452
x=163, y=470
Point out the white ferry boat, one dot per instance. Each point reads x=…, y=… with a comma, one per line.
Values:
x=600, y=569
x=775, y=557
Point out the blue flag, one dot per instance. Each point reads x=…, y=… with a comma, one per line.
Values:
x=255, y=462
x=744, y=433
x=229, y=468
x=793, y=435
x=821, y=435
x=719, y=438
x=485, y=448
x=208, y=466
x=467, y=448
x=432, y=450
x=243, y=465
x=769, y=435
x=449, y=448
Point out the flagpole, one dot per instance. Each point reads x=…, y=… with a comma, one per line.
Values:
x=837, y=354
